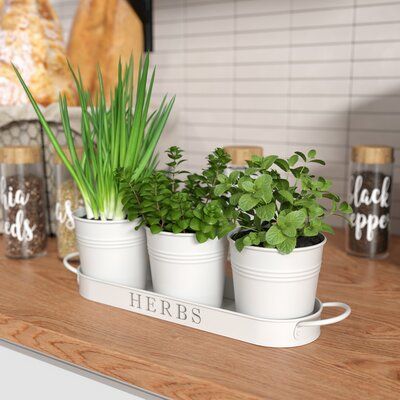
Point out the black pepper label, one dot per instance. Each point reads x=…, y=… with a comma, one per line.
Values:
x=369, y=226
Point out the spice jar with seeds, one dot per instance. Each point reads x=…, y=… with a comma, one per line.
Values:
x=68, y=199
x=367, y=234
x=22, y=189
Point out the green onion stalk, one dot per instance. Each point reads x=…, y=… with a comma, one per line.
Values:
x=121, y=136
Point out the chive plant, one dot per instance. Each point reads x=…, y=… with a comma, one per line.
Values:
x=122, y=135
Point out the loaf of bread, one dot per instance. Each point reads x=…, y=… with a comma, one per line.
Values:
x=31, y=39
x=104, y=31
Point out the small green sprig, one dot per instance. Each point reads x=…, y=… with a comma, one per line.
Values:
x=279, y=200
x=166, y=201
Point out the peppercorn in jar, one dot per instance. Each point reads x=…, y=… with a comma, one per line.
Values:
x=369, y=196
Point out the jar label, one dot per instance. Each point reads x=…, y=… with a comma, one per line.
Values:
x=64, y=214
x=21, y=227
x=370, y=199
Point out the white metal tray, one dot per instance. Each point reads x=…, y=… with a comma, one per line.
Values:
x=221, y=321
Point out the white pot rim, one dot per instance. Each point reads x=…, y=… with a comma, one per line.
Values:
x=165, y=233
x=273, y=250
x=79, y=217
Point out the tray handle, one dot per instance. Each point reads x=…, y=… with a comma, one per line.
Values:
x=328, y=321
x=68, y=265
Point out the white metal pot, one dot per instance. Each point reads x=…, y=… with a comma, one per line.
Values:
x=269, y=284
x=183, y=268
x=112, y=251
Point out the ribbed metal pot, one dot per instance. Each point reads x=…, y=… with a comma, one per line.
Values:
x=112, y=251
x=269, y=284
x=183, y=268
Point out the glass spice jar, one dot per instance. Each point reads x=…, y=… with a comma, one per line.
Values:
x=68, y=199
x=22, y=188
x=367, y=235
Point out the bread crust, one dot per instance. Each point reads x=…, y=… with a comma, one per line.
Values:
x=104, y=31
x=30, y=37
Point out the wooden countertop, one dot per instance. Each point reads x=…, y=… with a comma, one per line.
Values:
x=359, y=358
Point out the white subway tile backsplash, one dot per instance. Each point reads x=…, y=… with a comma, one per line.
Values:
x=318, y=120
x=310, y=137
x=320, y=87
x=321, y=52
x=321, y=70
x=324, y=17
x=209, y=116
x=260, y=134
x=222, y=41
x=368, y=51
x=387, y=31
x=251, y=118
x=322, y=35
x=378, y=13
x=206, y=10
x=262, y=22
x=261, y=103
x=249, y=88
x=376, y=87
x=318, y=103
x=266, y=38
x=207, y=102
x=376, y=69
x=209, y=88
x=209, y=57
x=262, y=71
x=262, y=55
x=379, y=122
x=264, y=7
x=209, y=26
x=318, y=4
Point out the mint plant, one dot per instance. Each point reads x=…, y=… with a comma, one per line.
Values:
x=175, y=201
x=279, y=201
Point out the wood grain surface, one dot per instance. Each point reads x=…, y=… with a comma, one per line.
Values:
x=358, y=358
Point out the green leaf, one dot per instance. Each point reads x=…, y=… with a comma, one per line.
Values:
x=263, y=180
x=345, y=208
x=155, y=229
x=311, y=154
x=283, y=164
x=296, y=218
x=201, y=237
x=287, y=245
x=222, y=178
x=301, y=155
x=293, y=160
x=289, y=230
x=286, y=195
x=221, y=189
x=239, y=244
x=195, y=224
x=274, y=236
x=318, y=161
x=266, y=212
x=266, y=194
x=233, y=176
x=327, y=228
x=310, y=231
x=268, y=161
x=248, y=186
x=247, y=202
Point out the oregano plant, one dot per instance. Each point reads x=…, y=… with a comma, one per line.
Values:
x=279, y=201
x=173, y=200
